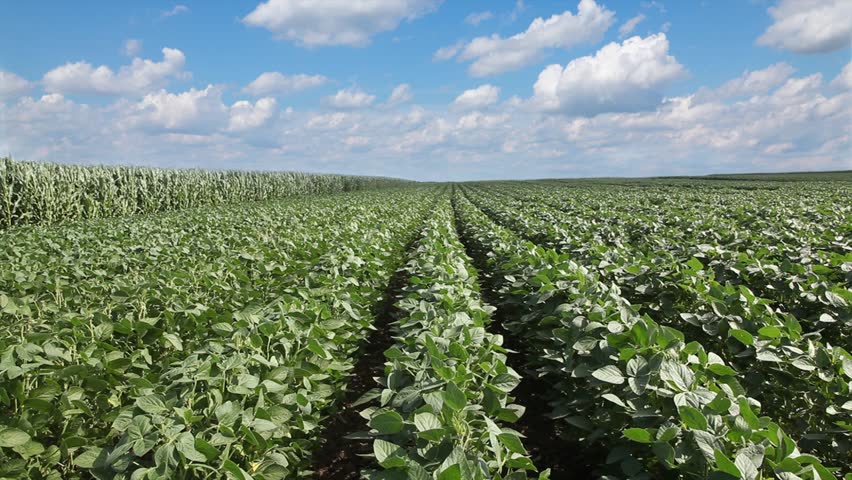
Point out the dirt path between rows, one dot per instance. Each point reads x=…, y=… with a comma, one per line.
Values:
x=544, y=438
x=342, y=458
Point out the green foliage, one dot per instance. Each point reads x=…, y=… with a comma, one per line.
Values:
x=446, y=388
x=45, y=193
x=693, y=329
x=189, y=344
x=666, y=406
x=760, y=277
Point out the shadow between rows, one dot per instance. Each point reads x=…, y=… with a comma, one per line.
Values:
x=547, y=443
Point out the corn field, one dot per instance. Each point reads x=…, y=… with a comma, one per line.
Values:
x=45, y=193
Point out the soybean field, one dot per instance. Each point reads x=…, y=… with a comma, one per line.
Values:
x=161, y=325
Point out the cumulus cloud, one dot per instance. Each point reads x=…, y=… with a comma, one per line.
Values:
x=620, y=77
x=349, y=99
x=334, y=22
x=627, y=27
x=809, y=26
x=192, y=111
x=46, y=107
x=479, y=97
x=787, y=123
x=132, y=46
x=276, y=83
x=329, y=121
x=12, y=85
x=494, y=54
x=178, y=9
x=476, y=18
x=244, y=115
x=139, y=77
x=842, y=81
x=479, y=120
x=400, y=94
x=756, y=81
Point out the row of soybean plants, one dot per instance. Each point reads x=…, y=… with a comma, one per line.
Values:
x=445, y=396
x=788, y=243
x=703, y=264
x=216, y=353
x=801, y=377
x=665, y=407
x=44, y=193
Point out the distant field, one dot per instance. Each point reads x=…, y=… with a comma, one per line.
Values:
x=658, y=328
x=841, y=175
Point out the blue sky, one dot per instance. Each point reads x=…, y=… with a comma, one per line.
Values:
x=505, y=89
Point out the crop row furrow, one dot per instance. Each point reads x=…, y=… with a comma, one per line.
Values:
x=235, y=380
x=814, y=397
x=667, y=408
x=446, y=388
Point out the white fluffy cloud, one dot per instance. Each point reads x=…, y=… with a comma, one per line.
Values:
x=809, y=26
x=479, y=120
x=762, y=120
x=620, y=77
x=132, y=46
x=334, y=22
x=753, y=82
x=842, y=81
x=244, y=115
x=627, y=27
x=12, y=85
x=276, y=83
x=192, y=111
x=494, y=54
x=479, y=97
x=400, y=94
x=48, y=105
x=138, y=78
x=349, y=99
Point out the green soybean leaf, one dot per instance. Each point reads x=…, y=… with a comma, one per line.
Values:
x=506, y=382
x=206, y=449
x=89, y=458
x=770, y=332
x=640, y=435
x=725, y=464
x=151, y=404
x=609, y=374
x=512, y=442
x=185, y=444
x=451, y=473
x=744, y=337
x=234, y=471
x=722, y=370
x=174, y=341
x=425, y=421
x=748, y=414
x=748, y=470
x=387, y=422
x=694, y=264
x=692, y=418
x=665, y=453
x=12, y=437
x=384, y=450
x=454, y=397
